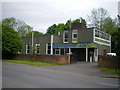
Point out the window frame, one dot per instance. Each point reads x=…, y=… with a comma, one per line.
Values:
x=38, y=48
x=64, y=38
x=47, y=45
x=56, y=51
x=73, y=33
x=27, y=49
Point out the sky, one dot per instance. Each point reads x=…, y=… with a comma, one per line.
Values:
x=40, y=14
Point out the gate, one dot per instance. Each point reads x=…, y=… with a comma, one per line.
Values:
x=73, y=59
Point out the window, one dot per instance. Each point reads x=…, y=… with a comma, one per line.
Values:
x=57, y=51
x=38, y=48
x=66, y=50
x=74, y=36
x=27, y=49
x=96, y=33
x=48, y=48
x=65, y=37
x=62, y=51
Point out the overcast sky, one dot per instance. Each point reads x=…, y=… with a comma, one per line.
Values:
x=40, y=14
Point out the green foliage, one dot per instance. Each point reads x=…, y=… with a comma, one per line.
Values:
x=35, y=33
x=61, y=26
x=110, y=70
x=11, y=42
x=19, y=26
x=79, y=20
x=52, y=29
x=116, y=41
x=109, y=25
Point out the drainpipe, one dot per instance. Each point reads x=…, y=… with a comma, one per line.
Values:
x=32, y=40
x=51, y=44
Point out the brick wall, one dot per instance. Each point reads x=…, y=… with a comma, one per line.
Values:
x=59, y=59
x=109, y=61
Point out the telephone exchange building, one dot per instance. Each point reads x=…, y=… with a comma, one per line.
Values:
x=82, y=42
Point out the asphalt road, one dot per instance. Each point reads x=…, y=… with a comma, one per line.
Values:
x=27, y=76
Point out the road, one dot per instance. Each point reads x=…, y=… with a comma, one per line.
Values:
x=27, y=76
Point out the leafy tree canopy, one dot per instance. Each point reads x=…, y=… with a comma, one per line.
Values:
x=11, y=42
x=19, y=26
x=53, y=29
x=116, y=41
x=35, y=33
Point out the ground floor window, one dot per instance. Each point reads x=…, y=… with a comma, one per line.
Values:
x=48, y=48
x=60, y=51
x=66, y=50
x=38, y=48
x=57, y=51
x=27, y=48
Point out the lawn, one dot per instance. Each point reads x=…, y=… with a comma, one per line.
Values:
x=30, y=62
x=110, y=70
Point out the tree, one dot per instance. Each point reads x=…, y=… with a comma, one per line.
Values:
x=61, y=26
x=19, y=26
x=67, y=25
x=116, y=41
x=52, y=29
x=79, y=20
x=35, y=33
x=11, y=42
x=109, y=25
x=97, y=18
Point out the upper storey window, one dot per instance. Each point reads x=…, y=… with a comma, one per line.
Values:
x=102, y=35
x=65, y=37
x=75, y=36
x=102, y=38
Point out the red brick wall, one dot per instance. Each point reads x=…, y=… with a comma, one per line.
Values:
x=109, y=61
x=59, y=59
x=78, y=26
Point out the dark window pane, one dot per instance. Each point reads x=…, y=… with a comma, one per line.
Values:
x=28, y=51
x=49, y=51
x=66, y=39
x=49, y=47
x=66, y=34
x=62, y=51
x=74, y=35
x=66, y=50
x=53, y=51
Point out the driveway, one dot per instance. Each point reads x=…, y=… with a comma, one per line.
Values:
x=85, y=68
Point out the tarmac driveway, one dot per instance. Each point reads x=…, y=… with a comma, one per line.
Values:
x=84, y=68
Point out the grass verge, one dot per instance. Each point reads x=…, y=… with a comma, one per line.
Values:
x=30, y=62
x=110, y=70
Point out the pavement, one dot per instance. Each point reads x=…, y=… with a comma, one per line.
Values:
x=84, y=68
x=79, y=75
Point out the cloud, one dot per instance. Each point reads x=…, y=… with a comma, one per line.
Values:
x=40, y=14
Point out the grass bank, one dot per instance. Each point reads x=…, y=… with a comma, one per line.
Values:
x=30, y=62
x=110, y=70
